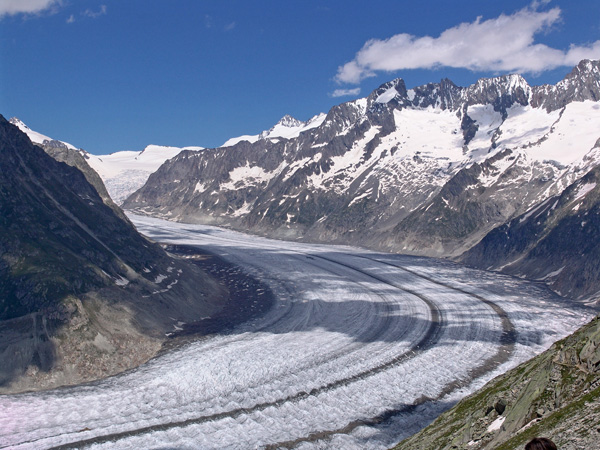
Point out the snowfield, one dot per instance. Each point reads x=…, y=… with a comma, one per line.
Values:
x=360, y=350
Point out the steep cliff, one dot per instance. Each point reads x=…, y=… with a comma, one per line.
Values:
x=82, y=294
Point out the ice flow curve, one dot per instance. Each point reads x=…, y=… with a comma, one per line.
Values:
x=360, y=349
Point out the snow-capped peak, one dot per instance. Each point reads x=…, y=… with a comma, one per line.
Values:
x=288, y=127
x=34, y=136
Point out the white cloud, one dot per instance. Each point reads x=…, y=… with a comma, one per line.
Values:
x=71, y=19
x=229, y=26
x=503, y=44
x=11, y=7
x=345, y=92
x=95, y=14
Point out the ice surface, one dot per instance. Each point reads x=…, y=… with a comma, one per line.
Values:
x=345, y=341
x=125, y=172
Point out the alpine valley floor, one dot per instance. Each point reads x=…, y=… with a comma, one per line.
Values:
x=359, y=350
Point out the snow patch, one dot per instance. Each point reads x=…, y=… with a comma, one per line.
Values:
x=160, y=278
x=583, y=190
x=246, y=176
x=496, y=424
x=387, y=95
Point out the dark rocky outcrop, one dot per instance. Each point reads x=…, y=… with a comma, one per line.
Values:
x=82, y=294
x=61, y=152
x=557, y=241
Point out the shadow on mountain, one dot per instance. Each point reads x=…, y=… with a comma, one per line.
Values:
x=26, y=342
x=82, y=294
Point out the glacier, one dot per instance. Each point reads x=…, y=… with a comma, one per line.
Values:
x=359, y=350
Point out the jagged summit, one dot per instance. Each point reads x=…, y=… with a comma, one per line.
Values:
x=582, y=83
x=287, y=127
x=289, y=121
x=280, y=128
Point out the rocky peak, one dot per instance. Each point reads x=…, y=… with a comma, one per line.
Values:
x=289, y=121
x=286, y=121
x=55, y=144
x=581, y=84
x=443, y=95
x=500, y=92
x=586, y=70
x=395, y=89
x=17, y=122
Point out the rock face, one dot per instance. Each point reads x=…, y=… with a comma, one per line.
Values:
x=555, y=395
x=118, y=174
x=428, y=171
x=556, y=241
x=82, y=294
x=63, y=153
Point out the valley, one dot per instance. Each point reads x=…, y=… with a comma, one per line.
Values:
x=299, y=225
x=359, y=350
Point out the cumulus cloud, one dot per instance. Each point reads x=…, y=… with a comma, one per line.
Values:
x=11, y=7
x=345, y=92
x=503, y=44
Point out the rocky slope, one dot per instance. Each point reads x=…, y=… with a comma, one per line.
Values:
x=63, y=153
x=555, y=395
x=121, y=172
x=429, y=170
x=82, y=294
x=555, y=242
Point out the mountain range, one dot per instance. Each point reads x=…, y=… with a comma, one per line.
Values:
x=499, y=175
x=430, y=170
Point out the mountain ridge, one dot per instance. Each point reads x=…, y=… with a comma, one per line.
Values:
x=122, y=172
x=82, y=294
x=429, y=170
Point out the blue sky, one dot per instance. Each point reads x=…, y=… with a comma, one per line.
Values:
x=110, y=75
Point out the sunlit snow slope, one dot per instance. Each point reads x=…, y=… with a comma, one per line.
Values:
x=126, y=171
x=360, y=350
x=288, y=128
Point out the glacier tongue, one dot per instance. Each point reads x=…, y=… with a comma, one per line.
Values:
x=355, y=341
